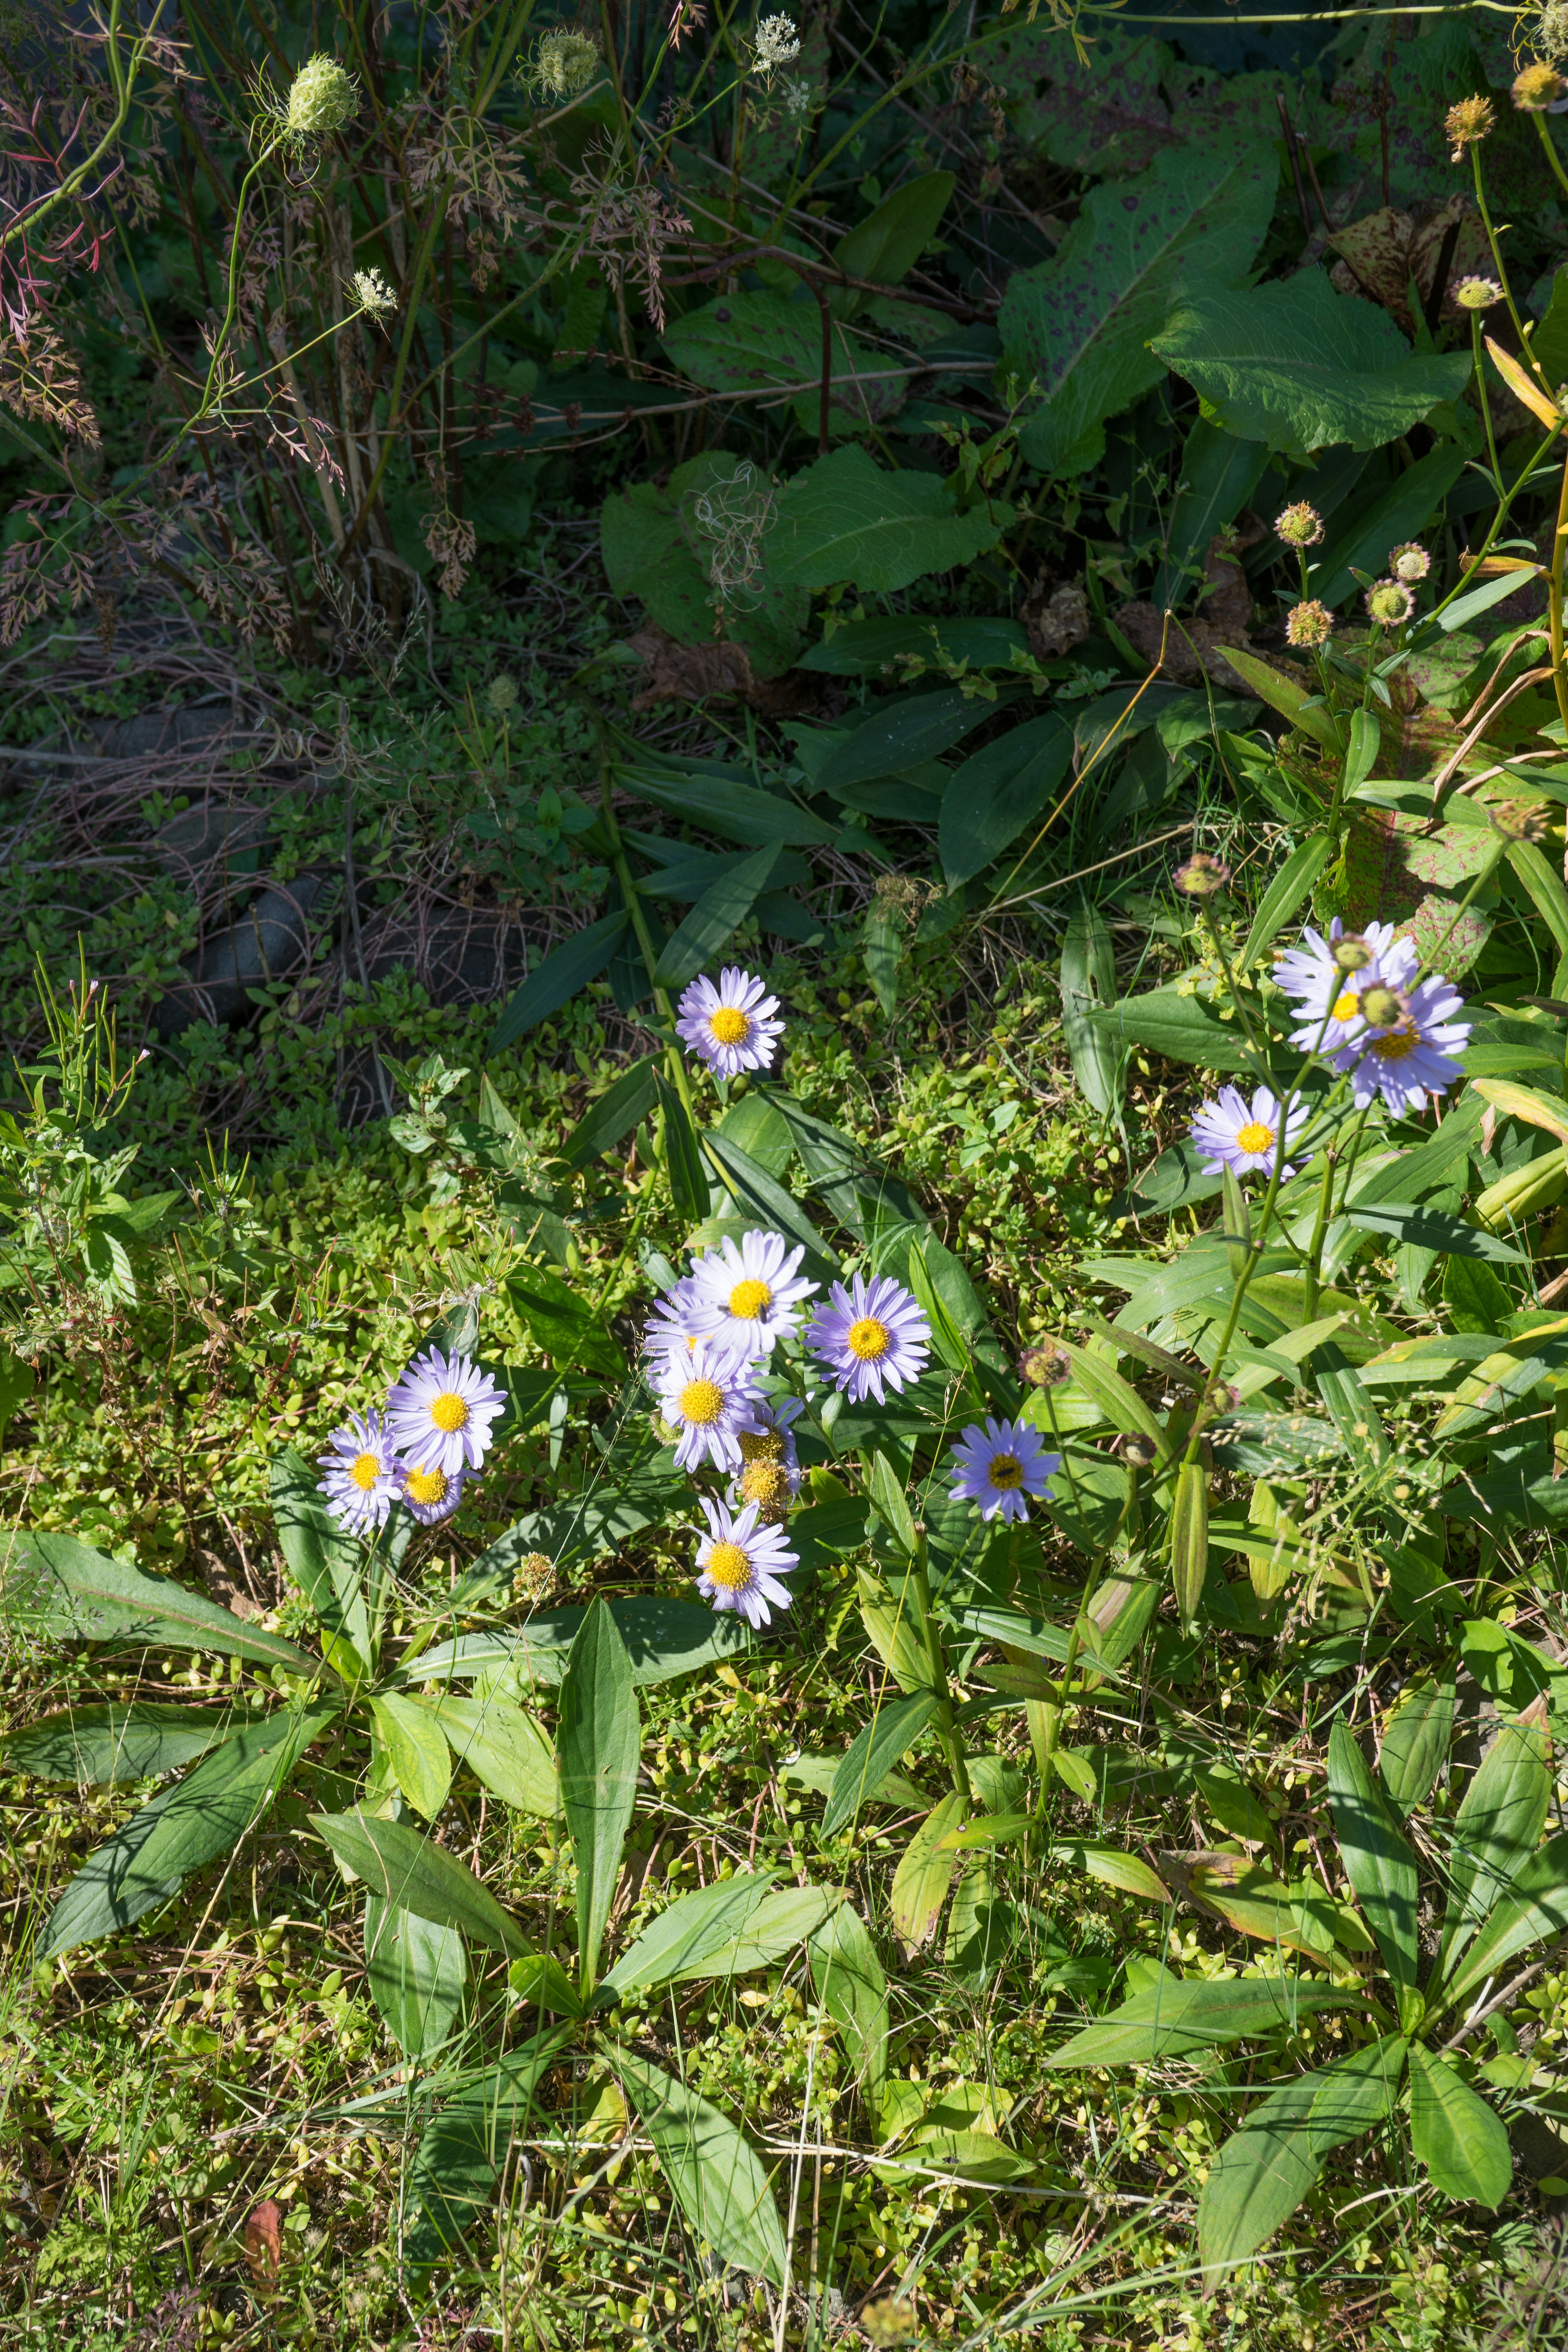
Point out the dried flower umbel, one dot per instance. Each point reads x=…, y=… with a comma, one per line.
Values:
x=1308, y=625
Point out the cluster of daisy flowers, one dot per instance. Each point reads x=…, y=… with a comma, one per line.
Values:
x=1359, y=1003
x=421, y=1451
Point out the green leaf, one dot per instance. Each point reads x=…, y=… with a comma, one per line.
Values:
x=1395, y=515
x=1289, y=887
x=416, y=1971
x=460, y=2156
x=726, y=805
x=1089, y=983
x=598, y=1738
x=712, y=921
x=845, y=519
x=762, y=1130
x=872, y=1755
x=324, y=1562
x=739, y=342
x=689, y=1183
x=1415, y=1743
x=998, y=791
x=415, y=1748
x=1178, y=2016
x=16, y=1385
x=1456, y=2135
x=508, y=1750
x=542, y=1980
x=712, y=2171
x=1189, y=1537
x=925, y=1873
x=658, y=545
x=767, y=1199
x=1128, y=1872
x=1535, y=1906
x=1263, y=2171
x=664, y=1638
x=1496, y=1829
x=1121, y=1403
x=184, y=1828
x=1545, y=887
x=902, y=732
x=1178, y=1028
x=55, y=1585
x=403, y=1868
x=891, y=1500
x=679, y=1941
x=1379, y=1864
x=779, y=1922
x=1434, y=1229
x=849, y=1981
x=554, y=982
x=1080, y=324
x=610, y=1120
x=886, y=246
x=1036, y=1634
x=1297, y=365
x=1219, y=474
x=1299, y=704
x=96, y=1745
x=1396, y=869
x=562, y=1324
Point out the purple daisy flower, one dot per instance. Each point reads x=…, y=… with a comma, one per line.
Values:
x=870, y=1338
x=439, y=1414
x=709, y=1400
x=1326, y=991
x=431, y=1495
x=1243, y=1137
x=740, y=1562
x=679, y=1318
x=730, y=1026
x=361, y=1485
x=751, y=1290
x=1411, y=1055
x=999, y=1465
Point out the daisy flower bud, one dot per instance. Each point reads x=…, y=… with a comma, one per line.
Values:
x=1537, y=88
x=1409, y=562
x=1045, y=1366
x=1308, y=625
x=1202, y=876
x=1300, y=525
x=1465, y=123
x=1477, y=293
x=1352, y=953
x=1390, y=602
x=322, y=96
x=1380, y=1005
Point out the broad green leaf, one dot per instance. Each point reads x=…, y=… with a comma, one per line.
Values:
x=1265, y=2169
x=708, y=928
x=416, y=1971
x=1219, y=474
x=998, y=791
x=1535, y=1906
x=739, y=342
x=597, y=1742
x=1294, y=1918
x=656, y=547
x=403, y=1867
x=324, y=1562
x=1363, y=541
x=1415, y=1743
x=886, y=246
x=415, y=1748
x=184, y=1828
x=762, y=1130
x=1177, y=2017
x=1296, y=365
x=1548, y=1112
x=872, y=1755
x=664, y=1637
x=868, y=648
x=55, y=1585
x=845, y=519
x=610, y=1120
x=1179, y=1028
x=890, y=1621
x=561, y=1322
x=1496, y=1829
x=95, y=1745
x=902, y=731
x=461, y=2154
x=1089, y=983
x=727, y=805
x=680, y=1940
x=1378, y=1861
x=849, y=1981
x=1079, y=325
x=925, y=1873
x=1126, y=1872
x=690, y=1182
x=1037, y=1635
x=891, y=1498
x=1456, y=2135
x=761, y=1195
x=1431, y=1229
x=1290, y=886
x=505, y=1746
x=1545, y=885
x=779, y=1922
x=947, y=1335
x=542, y=1980
x=712, y=2171
x=553, y=983
x=996, y=1829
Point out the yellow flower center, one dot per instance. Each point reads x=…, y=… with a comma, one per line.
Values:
x=761, y=1445
x=868, y=1339
x=449, y=1411
x=766, y=1483
x=1253, y=1136
x=426, y=1487
x=702, y=1402
x=1006, y=1470
x=729, y=1565
x=1346, y=1006
x=366, y=1471
x=1396, y=1046
x=749, y=1299
x=729, y=1026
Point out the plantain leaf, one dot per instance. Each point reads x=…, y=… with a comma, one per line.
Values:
x=96, y=1745
x=403, y=1867
x=507, y=1748
x=461, y=2154
x=1264, y=2170
x=1416, y=1741
x=416, y=1971
x=779, y=1922
x=1378, y=1861
x=1087, y=984
x=689, y=1183
x=553, y=983
x=1496, y=1829
x=677, y=1943
x=925, y=1873
x=55, y=1585
x=1177, y=2017
x=1535, y=1906
x=849, y=1981
x=598, y=1738
x=706, y=930
x=415, y=1748
x=712, y=2171
x=1456, y=2135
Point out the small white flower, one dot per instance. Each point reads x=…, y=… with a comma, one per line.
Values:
x=373, y=293
x=776, y=42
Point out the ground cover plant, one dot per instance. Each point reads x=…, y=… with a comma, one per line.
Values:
x=783, y=1177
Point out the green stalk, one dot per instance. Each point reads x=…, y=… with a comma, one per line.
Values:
x=946, y=1720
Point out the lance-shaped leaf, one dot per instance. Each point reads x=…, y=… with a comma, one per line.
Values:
x=403, y=1867
x=925, y=1873
x=1535, y=1906
x=506, y=1747
x=1264, y=2170
x=707, y=930
x=1456, y=2135
x=849, y=1981
x=690, y=1184
x=779, y=1922
x=1496, y=1829
x=1122, y=1406
x=1190, y=1538
x=872, y=1755
x=1525, y=387
x=1416, y=1741
x=416, y=1750
x=598, y=1736
x=96, y=1745
x=1380, y=1865
x=323, y=1561
x=1178, y=2016
x=52, y=1585
x=184, y=1828
x=712, y=2171
x=416, y=1971
x=680, y=1940
x=557, y=979
x=1500, y=1377
x=460, y=2156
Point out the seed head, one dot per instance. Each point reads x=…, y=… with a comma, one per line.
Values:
x=1309, y=625
x=373, y=293
x=1409, y=562
x=322, y=96
x=534, y=1577
x=1465, y=123
x=1046, y=1366
x=890, y=2321
x=1390, y=602
x=1352, y=952
x=1139, y=1452
x=501, y=694
x=1222, y=1396
x=1537, y=88
x=1301, y=525
x=1202, y=876
x=1381, y=1005
x=1477, y=293
x=564, y=64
